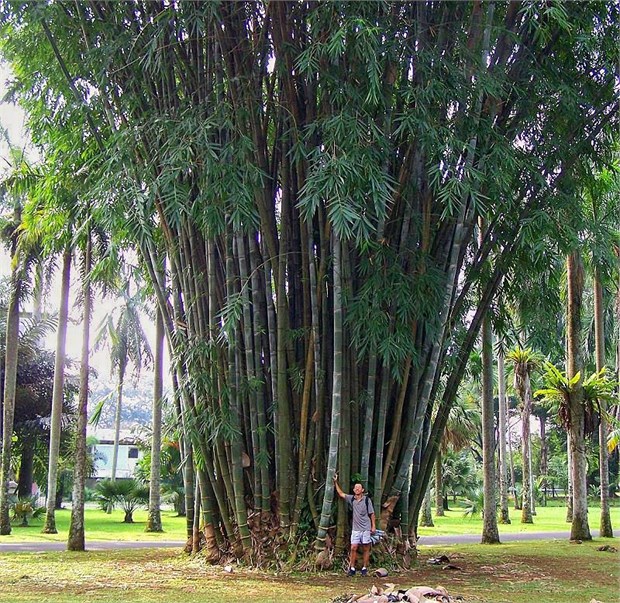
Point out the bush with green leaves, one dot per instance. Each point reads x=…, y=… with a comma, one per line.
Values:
x=126, y=493
x=25, y=508
x=171, y=477
x=474, y=504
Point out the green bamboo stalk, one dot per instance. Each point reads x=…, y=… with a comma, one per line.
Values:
x=328, y=496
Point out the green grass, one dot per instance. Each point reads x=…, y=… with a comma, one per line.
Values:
x=101, y=526
x=545, y=572
x=547, y=519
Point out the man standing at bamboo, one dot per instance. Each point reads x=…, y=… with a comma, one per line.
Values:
x=363, y=524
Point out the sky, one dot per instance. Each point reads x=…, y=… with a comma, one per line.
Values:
x=12, y=122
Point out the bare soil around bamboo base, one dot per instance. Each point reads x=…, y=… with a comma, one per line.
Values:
x=547, y=572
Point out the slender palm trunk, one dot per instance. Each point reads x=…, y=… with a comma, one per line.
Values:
x=532, y=492
x=511, y=463
x=525, y=390
x=76, y=540
x=569, y=482
x=117, y=417
x=426, y=520
x=58, y=395
x=606, y=531
x=153, y=523
x=26, y=468
x=10, y=383
x=504, y=515
x=544, y=457
x=490, y=533
x=580, y=529
x=439, y=507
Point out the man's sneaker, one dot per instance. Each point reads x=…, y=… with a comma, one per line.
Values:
x=364, y=571
x=351, y=571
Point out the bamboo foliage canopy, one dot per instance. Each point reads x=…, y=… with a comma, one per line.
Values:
x=314, y=173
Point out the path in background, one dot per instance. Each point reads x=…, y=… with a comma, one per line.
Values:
x=98, y=545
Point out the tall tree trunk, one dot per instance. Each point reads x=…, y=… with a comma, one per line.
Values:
x=532, y=491
x=606, y=530
x=511, y=462
x=334, y=437
x=37, y=294
x=544, y=457
x=369, y=416
x=439, y=498
x=490, y=533
x=381, y=430
x=426, y=520
x=117, y=418
x=76, y=540
x=526, y=495
x=580, y=529
x=259, y=319
x=523, y=386
x=569, y=482
x=504, y=515
x=26, y=467
x=10, y=383
x=283, y=428
x=153, y=523
x=58, y=395
x=235, y=403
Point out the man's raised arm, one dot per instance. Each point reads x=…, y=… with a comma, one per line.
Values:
x=338, y=488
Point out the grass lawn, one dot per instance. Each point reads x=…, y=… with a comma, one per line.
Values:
x=547, y=519
x=545, y=572
x=101, y=526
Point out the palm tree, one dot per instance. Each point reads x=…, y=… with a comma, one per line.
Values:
x=48, y=226
x=76, y=539
x=127, y=493
x=524, y=361
x=128, y=343
x=560, y=390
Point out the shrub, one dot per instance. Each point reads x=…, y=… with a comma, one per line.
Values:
x=127, y=493
x=25, y=508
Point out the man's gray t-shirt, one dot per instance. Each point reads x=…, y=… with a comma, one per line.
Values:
x=361, y=519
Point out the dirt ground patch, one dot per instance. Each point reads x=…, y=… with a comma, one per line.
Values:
x=549, y=572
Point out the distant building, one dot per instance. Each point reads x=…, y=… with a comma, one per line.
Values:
x=128, y=453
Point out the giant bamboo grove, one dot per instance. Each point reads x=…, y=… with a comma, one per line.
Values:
x=314, y=173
